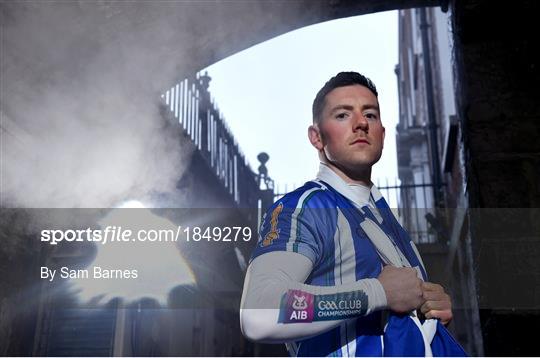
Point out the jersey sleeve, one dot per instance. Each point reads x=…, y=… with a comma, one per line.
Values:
x=292, y=224
x=271, y=276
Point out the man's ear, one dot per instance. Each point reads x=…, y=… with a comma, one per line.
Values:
x=314, y=135
x=383, y=135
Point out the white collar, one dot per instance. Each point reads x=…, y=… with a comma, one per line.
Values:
x=356, y=193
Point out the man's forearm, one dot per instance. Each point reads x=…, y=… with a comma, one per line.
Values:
x=275, y=295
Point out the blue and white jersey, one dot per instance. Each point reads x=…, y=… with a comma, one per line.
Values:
x=321, y=223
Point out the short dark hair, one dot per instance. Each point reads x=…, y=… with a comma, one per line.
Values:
x=342, y=79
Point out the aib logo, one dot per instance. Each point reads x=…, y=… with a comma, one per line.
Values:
x=299, y=306
x=299, y=303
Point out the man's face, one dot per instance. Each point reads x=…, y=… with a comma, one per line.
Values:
x=351, y=133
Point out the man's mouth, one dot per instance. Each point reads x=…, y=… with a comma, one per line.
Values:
x=360, y=141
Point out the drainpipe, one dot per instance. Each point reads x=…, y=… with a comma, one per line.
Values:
x=432, y=124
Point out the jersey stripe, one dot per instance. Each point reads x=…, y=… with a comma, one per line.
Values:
x=343, y=336
x=291, y=244
x=292, y=348
x=351, y=337
x=338, y=280
x=347, y=271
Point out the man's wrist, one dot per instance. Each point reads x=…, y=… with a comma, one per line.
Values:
x=377, y=297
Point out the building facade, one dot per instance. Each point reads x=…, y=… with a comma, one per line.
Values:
x=431, y=161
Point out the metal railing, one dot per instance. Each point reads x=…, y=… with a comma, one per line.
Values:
x=190, y=103
x=414, y=205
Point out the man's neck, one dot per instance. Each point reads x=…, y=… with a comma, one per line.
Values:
x=359, y=178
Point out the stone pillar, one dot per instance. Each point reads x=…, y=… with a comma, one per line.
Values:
x=498, y=93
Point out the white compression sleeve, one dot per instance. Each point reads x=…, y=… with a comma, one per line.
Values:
x=270, y=276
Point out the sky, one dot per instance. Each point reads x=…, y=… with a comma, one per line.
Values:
x=265, y=92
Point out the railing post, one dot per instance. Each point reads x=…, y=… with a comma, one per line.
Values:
x=204, y=106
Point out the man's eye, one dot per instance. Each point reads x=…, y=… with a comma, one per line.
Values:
x=371, y=116
x=342, y=115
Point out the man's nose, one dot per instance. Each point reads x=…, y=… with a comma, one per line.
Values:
x=361, y=123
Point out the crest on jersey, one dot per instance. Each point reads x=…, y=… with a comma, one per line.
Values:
x=273, y=234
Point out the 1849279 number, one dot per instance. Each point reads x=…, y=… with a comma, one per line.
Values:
x=218, y=233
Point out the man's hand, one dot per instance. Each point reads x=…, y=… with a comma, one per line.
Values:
x=438, y=304
x=403, y=288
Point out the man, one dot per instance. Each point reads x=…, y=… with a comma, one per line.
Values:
x=332, y=262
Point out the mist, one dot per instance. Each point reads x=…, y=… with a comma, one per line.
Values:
x=80, y=103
